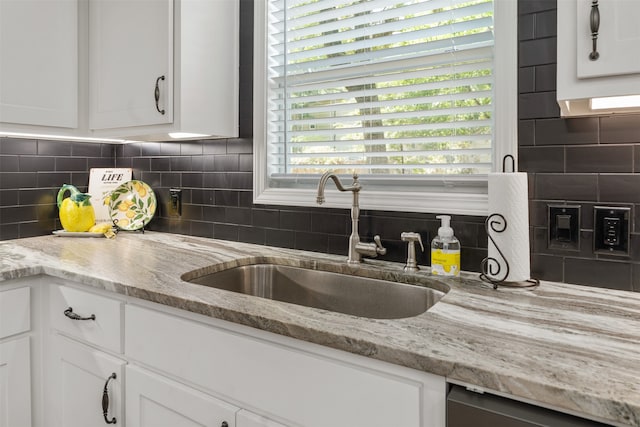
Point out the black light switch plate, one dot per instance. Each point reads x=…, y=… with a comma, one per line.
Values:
x=611, y=230
x=564, y=227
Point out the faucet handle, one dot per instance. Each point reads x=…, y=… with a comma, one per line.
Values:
x=409, y=236
x=381, y=250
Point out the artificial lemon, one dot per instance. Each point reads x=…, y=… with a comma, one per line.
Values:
x=101, y=228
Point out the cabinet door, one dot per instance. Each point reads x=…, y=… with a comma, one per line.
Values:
x=130, y=55
x=79, y=375
x=249, y=419
x=39, y=62
x=618, y=38
x=15, y=383
x=155, y=401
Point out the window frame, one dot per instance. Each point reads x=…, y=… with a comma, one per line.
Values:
x=470, y=199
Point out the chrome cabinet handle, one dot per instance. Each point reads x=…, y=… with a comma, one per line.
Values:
x=594, y=22
x=74, y=316
x=156, y=94
x=105, y=400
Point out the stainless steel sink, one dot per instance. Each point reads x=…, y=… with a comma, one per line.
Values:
x=358, y=296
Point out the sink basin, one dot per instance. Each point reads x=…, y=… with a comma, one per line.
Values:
x=358, y=296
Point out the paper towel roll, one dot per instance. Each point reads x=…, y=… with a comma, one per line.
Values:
x=508, y=196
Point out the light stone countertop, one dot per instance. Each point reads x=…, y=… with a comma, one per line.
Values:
x=568, y=346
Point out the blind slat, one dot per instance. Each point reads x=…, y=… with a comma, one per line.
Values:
x=362, y=58
x=420, y=60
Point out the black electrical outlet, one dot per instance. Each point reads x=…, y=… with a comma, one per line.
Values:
x=564, y=227
x=611, y=230
x=175, y=202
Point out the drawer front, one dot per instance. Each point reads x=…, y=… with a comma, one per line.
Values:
x=104, y=324
x=15, y=311
x=290, y=384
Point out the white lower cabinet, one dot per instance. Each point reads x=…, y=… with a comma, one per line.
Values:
x=155, y=401
x=144, y=365
x=79, y=377
x=15, y=383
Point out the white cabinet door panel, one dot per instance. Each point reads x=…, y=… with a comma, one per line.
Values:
x=155, y=401
x=15, y=383
x=618, y=38
x=295, y=385
x=78, y=377
x=130, y=47
x=39, y=62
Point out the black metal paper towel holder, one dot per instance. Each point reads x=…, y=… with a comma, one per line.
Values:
x=498, y=224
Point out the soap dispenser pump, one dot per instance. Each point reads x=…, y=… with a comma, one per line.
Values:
x=445, y=250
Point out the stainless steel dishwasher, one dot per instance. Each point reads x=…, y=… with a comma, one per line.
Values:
x=470, y=409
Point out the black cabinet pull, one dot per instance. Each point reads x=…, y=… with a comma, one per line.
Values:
x=156, y=94
x=105, y=400
x=74, y=316
x=594, y=22
x=224, y=424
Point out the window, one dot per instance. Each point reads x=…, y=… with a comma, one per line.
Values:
x=403, y=93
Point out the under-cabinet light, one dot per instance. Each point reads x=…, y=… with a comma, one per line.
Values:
x=628, y=101
x=61, y=137
x=180, y=135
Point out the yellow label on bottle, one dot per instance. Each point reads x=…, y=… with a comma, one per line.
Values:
x=445, y=262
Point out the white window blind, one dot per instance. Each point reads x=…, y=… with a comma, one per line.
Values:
x=379, y=87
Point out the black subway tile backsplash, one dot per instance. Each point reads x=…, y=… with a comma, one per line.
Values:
x=558, y=131
x=541, y=159
x=538, y=105
x=621, y=188
x=601, y=158
x=526, y=27
x=537, y=52
x=546, y=25
x=607, y=274
x=533, y=6
x=545, y=78
x=581, y=187
x=619, y=129
x=526, y=79
x=19, y=146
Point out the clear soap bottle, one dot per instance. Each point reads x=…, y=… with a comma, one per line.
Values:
x=445, y=250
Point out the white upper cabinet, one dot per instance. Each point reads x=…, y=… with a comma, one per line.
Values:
x=130, y=55
x=125, y=69
x=598, y=55
x=164, y=67
x=39, y=62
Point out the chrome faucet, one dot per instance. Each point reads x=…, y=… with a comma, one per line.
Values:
x=356, y=248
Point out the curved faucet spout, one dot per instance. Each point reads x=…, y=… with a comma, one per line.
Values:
x=356, y=248
x=355, y=187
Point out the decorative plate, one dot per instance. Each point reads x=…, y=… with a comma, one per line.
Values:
x=132, y=205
